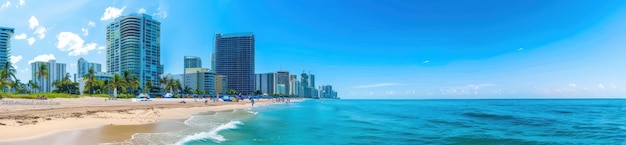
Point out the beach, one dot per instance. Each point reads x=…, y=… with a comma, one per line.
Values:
x=25, y=119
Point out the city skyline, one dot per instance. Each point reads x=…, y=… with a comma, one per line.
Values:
x=412, y=49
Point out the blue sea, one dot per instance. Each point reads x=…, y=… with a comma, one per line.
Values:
x=480, y=122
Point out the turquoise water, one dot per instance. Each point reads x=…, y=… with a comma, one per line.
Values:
x=415, y=122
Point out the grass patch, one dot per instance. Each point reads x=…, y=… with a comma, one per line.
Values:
x=34, y=95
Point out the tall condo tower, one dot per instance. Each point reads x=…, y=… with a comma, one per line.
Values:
x=134, y=44
x=234, y=58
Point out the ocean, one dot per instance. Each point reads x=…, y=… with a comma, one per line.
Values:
x=480, y=122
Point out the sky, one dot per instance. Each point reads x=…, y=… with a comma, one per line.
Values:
x=395, y=49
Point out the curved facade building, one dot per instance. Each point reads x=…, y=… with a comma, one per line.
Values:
x=133, y=44
x=5, y=44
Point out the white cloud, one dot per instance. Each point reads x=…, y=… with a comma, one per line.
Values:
x=43, y=57
x=426, y=61
x=33, y=22
x=14, y=59
x=73, y=65
x=71, y=42
x=20, y=36
x=101, y=48
x=22, y=2
x=41, y=32
x=31, y=40
x=520, y=49
x=161, y=13
x=601, y=86
x=112, y=13
x=141, y=11
x=376, y=85
x=91, y=23
x=6, y=4
x=572, y=85
x=85, y=31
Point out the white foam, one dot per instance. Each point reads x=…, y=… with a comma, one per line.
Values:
x=210, y=134
x=252, y=112
x=189, y=119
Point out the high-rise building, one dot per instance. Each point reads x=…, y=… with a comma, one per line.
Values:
x=234, y=57
x=56, y=72
x=305, y=89
x=84, y=66
x=5, y=45
x=134, y=44
x=266, y=82
x=292, y=85
x=326, y=91
x=193, y=62
x=282, y=78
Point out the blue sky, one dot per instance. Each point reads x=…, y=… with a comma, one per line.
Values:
x=369, y=49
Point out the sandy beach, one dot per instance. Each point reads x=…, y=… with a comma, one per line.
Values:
x=23, y=119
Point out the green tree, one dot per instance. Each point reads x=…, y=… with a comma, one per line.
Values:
x=148, y=87
x=231, y=91
x=117, y=82
x=258, y=92
x=32, y=85
x=90, y=80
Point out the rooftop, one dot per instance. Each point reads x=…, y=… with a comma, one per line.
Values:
x=238, y=34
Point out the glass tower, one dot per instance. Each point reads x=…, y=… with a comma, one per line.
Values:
x=234, y=58
x=5, y=44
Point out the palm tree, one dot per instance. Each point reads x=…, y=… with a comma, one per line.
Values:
x=7, y=71
x=131, y=81
x=148, y=87
x=117, y=82
x=4, y=82
x=90, y=80
x=176, y=86
x=164, y=82
x=15, y=85
x=32, y=85
x=42, y=73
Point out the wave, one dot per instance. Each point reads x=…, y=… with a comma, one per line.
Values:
x=213, y=134
x=252, y=112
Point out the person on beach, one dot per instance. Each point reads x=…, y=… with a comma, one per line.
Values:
x=252, y=101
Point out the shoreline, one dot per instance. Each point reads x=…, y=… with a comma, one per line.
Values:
x=37, y=123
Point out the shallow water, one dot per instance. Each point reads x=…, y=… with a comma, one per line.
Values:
x=583, y=121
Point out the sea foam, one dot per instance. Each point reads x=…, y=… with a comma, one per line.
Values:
x=213, y=134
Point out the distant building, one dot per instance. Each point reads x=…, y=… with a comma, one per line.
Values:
x=203, y=81
x=193, y=62
x=134, y=44
x=307, y=87
x=292, y=85
x=83, y=67
x=326, y=91
x=220, y=84
x=56, y=72
x=265, y=82
x=234, y=57
x=280, y=89
x=5, y=45
x=282, y=78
